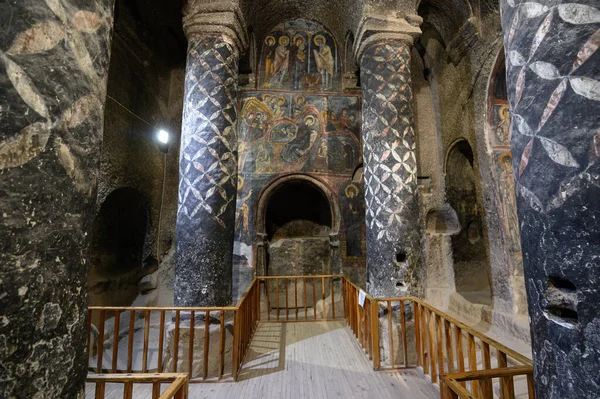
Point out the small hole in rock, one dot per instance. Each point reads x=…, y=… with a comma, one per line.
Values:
x=400, y=257
x=563, y=314
x=399, y=284
x=562, y=284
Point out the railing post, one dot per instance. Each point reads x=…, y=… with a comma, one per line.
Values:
x=375, y=333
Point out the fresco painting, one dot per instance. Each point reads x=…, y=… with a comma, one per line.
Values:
x=285, y=132
x=300, y=55
x=352, y=205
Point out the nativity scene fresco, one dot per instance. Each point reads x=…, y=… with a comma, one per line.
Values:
x=300, y=55
x=299, y=133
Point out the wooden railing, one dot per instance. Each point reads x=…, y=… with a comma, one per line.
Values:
x=141, y=358
x=416, y=335
x=453, y=386
x=289, y=298
x=246, y=321
x=177, y=389
x=361, y=321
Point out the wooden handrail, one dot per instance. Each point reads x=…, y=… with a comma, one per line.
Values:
x=445, y=348
x=453, y=386
x=177, y=389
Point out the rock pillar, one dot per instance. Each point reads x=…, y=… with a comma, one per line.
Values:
x=553, y=82
x=393, y=250
x=54, y=59
x=208, y=159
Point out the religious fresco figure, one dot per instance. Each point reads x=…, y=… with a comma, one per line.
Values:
x=508, y=200
x=344, y=119
x=262, y=158
x=353, y=214
x=257, y=126
x=281, y=61
x=502, y=129
x=270, y=56
x=297, y=61
x=302, y=143
x=278, y=107
x=299, y=104
x=331, y=125
x=243, y=213
x=325, y=62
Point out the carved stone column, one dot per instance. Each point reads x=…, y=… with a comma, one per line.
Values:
x=262, y=247
x=54, y=58
x=393, y=245
x=208, y=159
x=553, y=82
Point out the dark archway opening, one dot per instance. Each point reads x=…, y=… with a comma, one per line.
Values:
x=469, y=250
x=118, y=238
x=298, y=222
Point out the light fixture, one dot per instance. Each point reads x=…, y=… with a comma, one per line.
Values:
x=163, y=136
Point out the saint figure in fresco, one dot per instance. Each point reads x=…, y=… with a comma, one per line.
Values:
x=243, y=211
x=509, y=204
x=279, y=102
x=344, y=119
x=299, y=106
x=331, y=122
x=263, y=158
x=325, y=62
x=301, y=144
x=270, y=56
x=325, y=109
x=352, y=206
x=281, y=60
x=257, y=126
x=502, y=128
x=297, y=61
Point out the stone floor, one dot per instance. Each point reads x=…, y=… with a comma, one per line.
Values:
x=305, y=360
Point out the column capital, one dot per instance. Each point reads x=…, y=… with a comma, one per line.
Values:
x=223, y=18
x=375, y=29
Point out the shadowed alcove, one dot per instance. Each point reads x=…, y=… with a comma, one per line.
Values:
x=298, y=223
x=469, y=252
x=118, y=238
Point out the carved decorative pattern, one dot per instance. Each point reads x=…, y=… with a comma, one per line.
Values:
x=558, y=78
x=389, y=144
x=208, y=162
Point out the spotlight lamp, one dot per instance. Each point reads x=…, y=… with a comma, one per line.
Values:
x=163, y=137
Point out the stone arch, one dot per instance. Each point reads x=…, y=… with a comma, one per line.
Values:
x=119, y=236
x=274, y=184
x=469, y=250
x=301, y=231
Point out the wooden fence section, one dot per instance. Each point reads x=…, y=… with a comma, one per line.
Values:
x=177, y=389
x=445, y=345
x=302, y=298
x=362, y=320
x=394, y=333
x=246, y=320
x=453, y=385
x=142, y=354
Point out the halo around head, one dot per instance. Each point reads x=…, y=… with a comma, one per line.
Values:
x=299, y=37
x=351, y=191
x=270, y=39
x=502, y=157
x=309, y=118
x=284, y=40
x=319, y=38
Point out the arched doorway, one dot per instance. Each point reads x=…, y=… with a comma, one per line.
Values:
x=469, y=249
x=298, y=222
x=118, y=240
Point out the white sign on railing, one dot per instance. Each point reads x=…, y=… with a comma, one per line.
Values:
x=361, y=298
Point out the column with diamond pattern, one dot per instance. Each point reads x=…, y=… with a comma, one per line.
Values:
x=553, y=85
x=393, y=254
x=208, y=174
